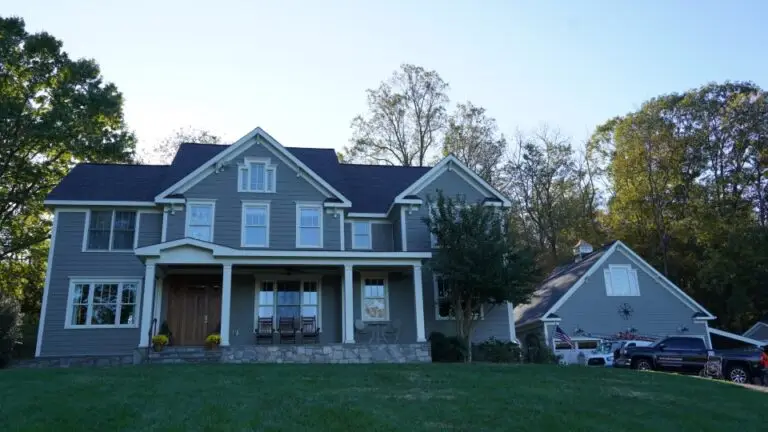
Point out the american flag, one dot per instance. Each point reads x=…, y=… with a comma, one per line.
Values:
x=561, y=336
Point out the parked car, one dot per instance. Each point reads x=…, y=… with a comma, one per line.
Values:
x=689, y=355
x=605, y=354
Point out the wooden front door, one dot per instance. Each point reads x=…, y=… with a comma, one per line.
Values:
x=194, y=309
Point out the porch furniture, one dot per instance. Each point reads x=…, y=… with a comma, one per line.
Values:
x=377, y=332
x=360, y=327
x=287, y=329
x=265, y=330
x=393, y=331
x=310, y=332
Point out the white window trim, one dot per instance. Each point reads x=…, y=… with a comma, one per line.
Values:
x=363, y=277
x=305, y=205
x=86, y=231
x=208, y=202
x=254, y=204
x=632, y=280
x=437, y=304
x=275, y=280
x=105, y=280
x=370, y=235
x=247, y=165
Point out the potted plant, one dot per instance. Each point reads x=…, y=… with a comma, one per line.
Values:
x=159, y=342
x=212, y=341
x=165, y=330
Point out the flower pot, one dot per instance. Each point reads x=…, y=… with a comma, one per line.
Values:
x=212, y=346
x=158, y=347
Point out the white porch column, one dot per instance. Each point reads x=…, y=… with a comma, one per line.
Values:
x=226, y=303
x=418, y=293
x=349, y=316
x=147, y=299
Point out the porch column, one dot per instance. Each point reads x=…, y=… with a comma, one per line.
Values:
x=348, y=315
x=146, y=303
x=418, y=293
x=226, y=303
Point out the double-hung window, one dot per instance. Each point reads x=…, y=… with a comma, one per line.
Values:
x=309, y=225
x=375, y=298
x=288, y=299
x=255, y=219
x=102, y=303
x=200, y=218
x=361, y=235
x=256, y=175
x=444, y=309
x=110, y=230
x=621, y=281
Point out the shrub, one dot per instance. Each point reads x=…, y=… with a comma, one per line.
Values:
x=540, y=353
x=10, y=327
x=166, y=331
x=446, y=349
x=496, y=351
x=213, y=339
x=160, y=339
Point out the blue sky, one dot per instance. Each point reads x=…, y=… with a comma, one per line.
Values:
x=300, y=69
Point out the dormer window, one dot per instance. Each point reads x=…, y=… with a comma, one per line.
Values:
x=256, y=175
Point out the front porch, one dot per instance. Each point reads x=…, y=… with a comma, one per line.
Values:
x=289, y=310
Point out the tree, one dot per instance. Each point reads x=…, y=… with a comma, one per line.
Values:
x=166, y=149
x=474, y=139
x=54, y=112
x=405, y=116
x=480, y=263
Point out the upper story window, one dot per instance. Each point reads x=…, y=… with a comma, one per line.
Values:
x=255, y=220
x=200, y=218
x=309, y=225
x=375, y=298
x=256, y=175
x=361, y=235
x=621, y=281
x=110, y=230
x=102, y=303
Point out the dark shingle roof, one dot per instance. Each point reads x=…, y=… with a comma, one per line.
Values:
x=110, y=182
x=555, y=287
x=370, y=188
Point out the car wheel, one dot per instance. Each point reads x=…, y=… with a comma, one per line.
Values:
x=643, y=365
x=738, y=374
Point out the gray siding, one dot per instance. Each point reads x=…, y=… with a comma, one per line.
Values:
x=417, y=234
x=150, y=228
x=241, y=321
x=656, y=310
x=381, y=240
x=68, y=261
x=290, y=189
x=760, y=333
x=176, y=221
x=330, y=307
x=401, y=304
x=397, y=238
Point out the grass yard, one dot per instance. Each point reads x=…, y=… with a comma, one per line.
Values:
x=370, y=398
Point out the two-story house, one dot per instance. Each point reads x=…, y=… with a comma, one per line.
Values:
x=228, y=237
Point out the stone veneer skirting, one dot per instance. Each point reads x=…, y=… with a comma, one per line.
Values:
x=331, y=353
x=78, y=361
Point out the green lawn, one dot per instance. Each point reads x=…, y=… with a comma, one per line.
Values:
x=372, y=398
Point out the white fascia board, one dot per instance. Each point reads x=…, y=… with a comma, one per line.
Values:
x=735, y=337
x=99, y=203
x=366, y=215
x=441, y=167
x=754, y=327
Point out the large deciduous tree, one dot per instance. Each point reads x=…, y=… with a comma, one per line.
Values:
x=405, y=117
x=474, y=138
x=54, y=112
x=480, y=262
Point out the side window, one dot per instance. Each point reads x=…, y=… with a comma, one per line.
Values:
x=694, y=344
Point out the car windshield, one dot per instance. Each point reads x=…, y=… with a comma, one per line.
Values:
x=604, y=348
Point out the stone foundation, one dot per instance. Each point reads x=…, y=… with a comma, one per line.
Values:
x=80, y=361
x=333, y=353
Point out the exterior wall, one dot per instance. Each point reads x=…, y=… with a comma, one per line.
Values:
x=381, y=240
x=657, y=311
x=176, y=221
x=451, y=184
x=241, y=321
x=760, y=333
x=150, y=229
x=69, y=261
x=401, y=304
x=290, y=189
x=397, y=238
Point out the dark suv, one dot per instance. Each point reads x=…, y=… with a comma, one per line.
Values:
x=689, y=355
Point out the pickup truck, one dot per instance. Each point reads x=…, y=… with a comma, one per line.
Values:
x=689, y=355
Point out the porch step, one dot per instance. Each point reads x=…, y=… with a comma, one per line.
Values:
x=184, y=355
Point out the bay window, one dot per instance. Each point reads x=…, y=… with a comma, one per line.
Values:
x=200, y=218
x=309, y=225
x=110, y=230
x=255, y=221
x=102, y=303
x=256, y=175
